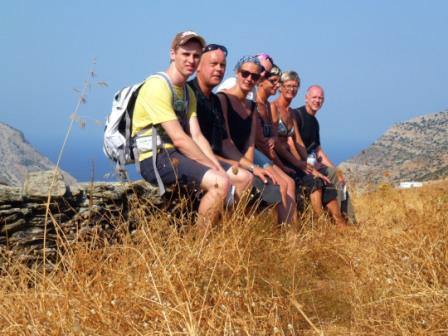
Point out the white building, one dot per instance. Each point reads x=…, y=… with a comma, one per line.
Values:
x=410, y=184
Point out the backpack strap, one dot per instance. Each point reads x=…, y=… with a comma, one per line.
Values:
x=181, y=112
x=179, y=107
x=154, y=161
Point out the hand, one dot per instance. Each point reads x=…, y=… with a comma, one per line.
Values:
x=319, y=175
x=306, y=167
x=340, y=176
x=271, y=143
x=263, y=174
x=288, y=170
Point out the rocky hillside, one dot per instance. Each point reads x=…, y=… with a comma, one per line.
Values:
x=18, y=157
x=415, y=150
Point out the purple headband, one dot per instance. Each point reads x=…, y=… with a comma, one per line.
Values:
x=264, y=56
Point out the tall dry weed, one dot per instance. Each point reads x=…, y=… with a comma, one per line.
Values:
x=386, y=276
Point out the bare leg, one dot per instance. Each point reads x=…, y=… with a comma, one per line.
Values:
x=285, y=210
x=316, y=202
x=349, y=211
x=242, y=180
x=290, y=196
x=216, y=186
x=335, y=211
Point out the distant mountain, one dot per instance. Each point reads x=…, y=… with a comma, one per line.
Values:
x=415, y=150
x=18, y=157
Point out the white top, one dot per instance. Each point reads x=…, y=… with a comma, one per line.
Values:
x=230, y=82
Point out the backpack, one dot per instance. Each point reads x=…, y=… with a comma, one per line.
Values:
x=118, y=144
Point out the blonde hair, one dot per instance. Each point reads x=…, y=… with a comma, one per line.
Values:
x=290, y=75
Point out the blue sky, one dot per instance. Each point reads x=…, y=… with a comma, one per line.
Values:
x=380, y=62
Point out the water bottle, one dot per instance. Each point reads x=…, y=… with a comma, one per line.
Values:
x=230, y=198
x=311, y=159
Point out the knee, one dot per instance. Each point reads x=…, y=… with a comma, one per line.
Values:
x=222, y=185
x=246, y=178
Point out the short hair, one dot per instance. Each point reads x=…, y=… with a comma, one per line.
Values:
x=290, y=75
x=312, y=87
x=275, y=71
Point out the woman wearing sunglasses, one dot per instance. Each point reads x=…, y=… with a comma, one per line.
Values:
x=266, y=134
x=241, y=125
x=290, y=149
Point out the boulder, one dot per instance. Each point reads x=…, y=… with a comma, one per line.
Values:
x=10, y=194
x=37, y=184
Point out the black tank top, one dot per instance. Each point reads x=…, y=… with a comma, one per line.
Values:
x=239, y=128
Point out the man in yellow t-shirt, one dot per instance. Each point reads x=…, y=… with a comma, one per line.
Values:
x=186, y=156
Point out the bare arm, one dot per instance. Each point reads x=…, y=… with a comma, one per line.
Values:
x=185, y=143
x=323, y=158
x=230, y=151
x=250, y=151
x=298, y=142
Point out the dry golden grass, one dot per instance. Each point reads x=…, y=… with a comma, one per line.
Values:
x=386, y=276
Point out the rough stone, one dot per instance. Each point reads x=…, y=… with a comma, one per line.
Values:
x=37, y=184
x=10, y=194
x=76, y=212
x=13, y=227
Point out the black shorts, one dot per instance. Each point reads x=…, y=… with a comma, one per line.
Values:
x=173, y=167
x=268, y=192
x=309, y=183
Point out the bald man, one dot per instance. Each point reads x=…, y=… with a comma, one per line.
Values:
x=310, y=134
x=209, y=74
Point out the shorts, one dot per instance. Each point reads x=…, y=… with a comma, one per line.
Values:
x=309, y=183
x=173, y=167
x=268, y=192
x=261, y=160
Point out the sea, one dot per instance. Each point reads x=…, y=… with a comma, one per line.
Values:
x=84, y=159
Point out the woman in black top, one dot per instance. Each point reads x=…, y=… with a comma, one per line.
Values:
x=241, y=122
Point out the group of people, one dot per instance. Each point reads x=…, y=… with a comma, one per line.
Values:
x=236, y=139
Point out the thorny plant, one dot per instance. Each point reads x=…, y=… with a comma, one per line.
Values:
x=74, y=117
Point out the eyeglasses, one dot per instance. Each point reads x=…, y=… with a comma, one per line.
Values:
x=267, y=74
x=291, y=87
x=273, y=81
x=254, y=76
x=212, y=47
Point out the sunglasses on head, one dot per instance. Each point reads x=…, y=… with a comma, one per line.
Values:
x=212, y=47
x=254, y=76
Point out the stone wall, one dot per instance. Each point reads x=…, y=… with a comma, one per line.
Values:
x=75, y=212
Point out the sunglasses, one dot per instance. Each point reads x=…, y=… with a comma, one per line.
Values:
x=254, y=76
x=212, y=47
x=273, y=81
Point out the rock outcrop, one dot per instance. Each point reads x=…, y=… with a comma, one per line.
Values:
x=18, y=158
x=415, y=150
